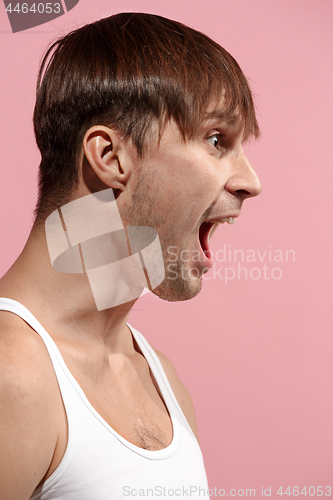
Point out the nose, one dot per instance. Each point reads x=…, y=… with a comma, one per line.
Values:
x=243, y=182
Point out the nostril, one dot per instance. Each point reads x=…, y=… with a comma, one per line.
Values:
x=243, y=193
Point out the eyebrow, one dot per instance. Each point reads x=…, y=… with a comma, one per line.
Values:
x=233, y=120
x=223, y=116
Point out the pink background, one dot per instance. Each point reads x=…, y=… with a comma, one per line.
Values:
x=255, y=354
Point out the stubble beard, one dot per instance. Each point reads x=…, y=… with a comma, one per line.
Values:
x=179, y=284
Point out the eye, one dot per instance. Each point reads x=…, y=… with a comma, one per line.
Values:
x=215, y=139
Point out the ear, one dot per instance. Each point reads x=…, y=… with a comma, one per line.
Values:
x=105, y=151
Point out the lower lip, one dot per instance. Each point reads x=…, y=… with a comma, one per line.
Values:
x=207, y=260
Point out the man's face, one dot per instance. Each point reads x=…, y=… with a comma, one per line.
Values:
x=183, y=190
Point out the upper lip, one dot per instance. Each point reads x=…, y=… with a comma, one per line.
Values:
x=219, y=219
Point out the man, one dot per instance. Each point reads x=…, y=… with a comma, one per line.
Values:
x=154, y=113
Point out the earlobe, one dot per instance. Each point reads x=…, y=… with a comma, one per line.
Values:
x=103, y=149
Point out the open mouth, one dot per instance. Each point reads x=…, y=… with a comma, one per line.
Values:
x=206, y=231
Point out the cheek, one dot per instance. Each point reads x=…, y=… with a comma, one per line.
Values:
x=187, y=183
x=193, y=177
x=202, y=189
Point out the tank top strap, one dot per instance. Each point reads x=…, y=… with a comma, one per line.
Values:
x=70, y=390
x=64, y=376
x=68, y=394
x=20, y=310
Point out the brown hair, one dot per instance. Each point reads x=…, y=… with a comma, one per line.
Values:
x=127, y=71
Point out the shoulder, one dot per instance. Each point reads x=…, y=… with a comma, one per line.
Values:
x=22, y=351
x=28, y=431
x=180, y=391
x=25, y=364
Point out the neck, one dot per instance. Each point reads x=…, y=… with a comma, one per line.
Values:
x=62, y=302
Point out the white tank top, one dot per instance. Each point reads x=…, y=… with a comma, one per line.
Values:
x=99, y=464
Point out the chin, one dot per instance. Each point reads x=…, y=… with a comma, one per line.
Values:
x=178, y=290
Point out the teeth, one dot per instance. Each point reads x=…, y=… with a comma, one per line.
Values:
x=229, y=220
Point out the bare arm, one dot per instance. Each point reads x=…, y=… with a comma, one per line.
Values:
x=180, y=391
x=28, y=431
